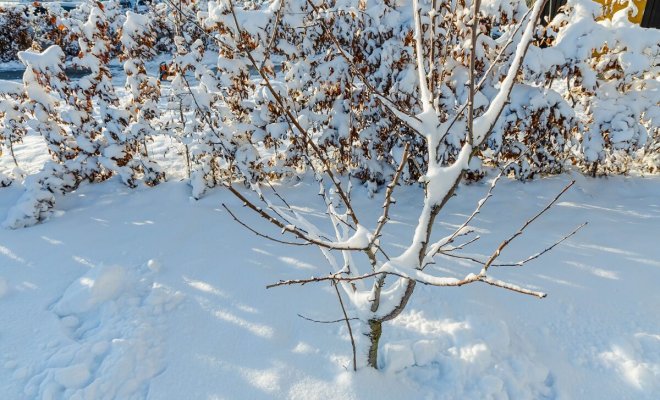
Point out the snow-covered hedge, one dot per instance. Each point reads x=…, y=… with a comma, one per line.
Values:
x=89, y=133
x=15, y=32
x=588, y=94
x=574, y=104
x=609, y=70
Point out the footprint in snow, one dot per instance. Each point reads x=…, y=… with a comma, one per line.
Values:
x=114, y=319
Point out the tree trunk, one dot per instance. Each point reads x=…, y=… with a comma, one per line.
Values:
x=375, y=330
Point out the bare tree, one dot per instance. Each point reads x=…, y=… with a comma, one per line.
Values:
x=365, y=288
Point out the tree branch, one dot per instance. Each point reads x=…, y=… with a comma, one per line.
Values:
x=410, y=120
x=388, y=196
x=520, y=231
x=443, y=282
x=486, y=122
x=246, y=226
x=271, y=42
x=424, y=92
x=294, y=121
x=473, y=56
x=327, y=322
x=290, y=228
x=348, y=324
x=540, y=253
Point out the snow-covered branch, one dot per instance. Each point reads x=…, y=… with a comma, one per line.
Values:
x=418, y=276
x=484, y=124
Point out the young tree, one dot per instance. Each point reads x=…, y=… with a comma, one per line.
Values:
x=377, y=286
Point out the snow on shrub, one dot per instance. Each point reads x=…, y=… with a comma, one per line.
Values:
x=143, y=95
x=105, y=134
x=15, y=32
x=113, y=15
x=12, y=120
x=46, y=88
x=193, y=117
x=335, y=77
x=534, y=133
x=240, y=117
x=611, y=72
x=588, y=93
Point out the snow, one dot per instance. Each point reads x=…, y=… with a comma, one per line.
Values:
x=97, y=286
x=151, y=294
x=4, y=287
x=10, y=88
x=134, y=25
x=45, y=61
x=112, y=318
x=145, y=294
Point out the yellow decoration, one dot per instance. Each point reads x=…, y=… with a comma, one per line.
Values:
x=610, y=7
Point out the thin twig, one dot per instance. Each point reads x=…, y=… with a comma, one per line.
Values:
x=271, y=42
x=520, y=231
x=463, y=245
x=540, y=253
x=246, y=226
x=473, y=56
x=477, y=210
x=348, y=324
x=432, y=73
x=289, y=228
x=327, y=322
x=276, y=210
x=278, y=195
x=462, y=257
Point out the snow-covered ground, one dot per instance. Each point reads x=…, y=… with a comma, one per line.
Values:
x=148, y=294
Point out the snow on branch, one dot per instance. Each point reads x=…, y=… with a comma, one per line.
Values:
x=418, y=276
x=359, y=241
x=484, y=124
x=424, y=92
